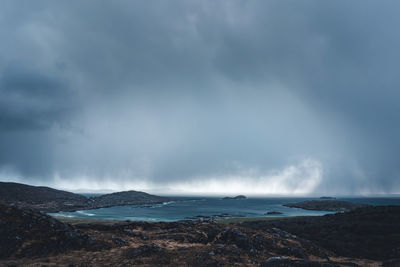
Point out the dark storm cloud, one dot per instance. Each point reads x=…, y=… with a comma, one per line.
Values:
x=294, y=94
x=31, y=101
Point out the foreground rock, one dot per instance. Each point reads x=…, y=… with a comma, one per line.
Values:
x=199, y=243
x=326, y=205
x=28, y=233
x=236, y=197
x=51, y=200
x=206, y=218
x=286, y=262
x=366, y=233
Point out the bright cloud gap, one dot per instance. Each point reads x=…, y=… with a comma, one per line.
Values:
x=299, y=179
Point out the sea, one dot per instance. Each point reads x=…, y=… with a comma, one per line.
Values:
x=190, y=207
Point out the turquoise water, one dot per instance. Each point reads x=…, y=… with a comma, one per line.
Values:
x=189, y=207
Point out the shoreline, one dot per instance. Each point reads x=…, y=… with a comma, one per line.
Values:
x=79, y=220
x=76, y=220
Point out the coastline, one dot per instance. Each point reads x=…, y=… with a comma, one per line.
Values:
x=78, y=220
x=253, y=219
x=329, y=240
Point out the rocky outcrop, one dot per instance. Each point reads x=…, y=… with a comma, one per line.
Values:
x=288, y=262
x=214, y=217
x=236, y=237
x=145, y=250
x=326, y=205
x=28, y=233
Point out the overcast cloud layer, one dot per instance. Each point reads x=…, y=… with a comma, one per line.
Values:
x=201, y=97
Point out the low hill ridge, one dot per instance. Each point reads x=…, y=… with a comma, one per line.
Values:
x=125, y=198
x=52, y=200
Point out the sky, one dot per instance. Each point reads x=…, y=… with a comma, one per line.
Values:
x=201, y=97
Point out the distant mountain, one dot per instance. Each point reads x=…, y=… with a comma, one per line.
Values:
x=327, y=198
x=326, y=205
x=237, y=197
x=52, y=200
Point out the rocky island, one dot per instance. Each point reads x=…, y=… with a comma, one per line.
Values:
x=327, y=198
x=273, y=213
x=236, y=197
x=52, y=200
x=326, y=205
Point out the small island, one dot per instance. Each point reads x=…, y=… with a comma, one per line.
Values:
x=273, y=213
x=237, y=197
x=327, y=198
x=326, y=205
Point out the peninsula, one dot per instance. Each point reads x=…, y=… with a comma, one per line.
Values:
x=47, y=199
x=326, y=205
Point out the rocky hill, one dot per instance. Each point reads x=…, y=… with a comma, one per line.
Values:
x=51, y=200
x=40, y=197
x=125, y=198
